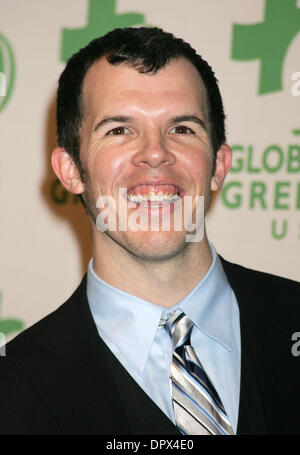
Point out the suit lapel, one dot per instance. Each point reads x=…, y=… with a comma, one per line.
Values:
x=76, y=385
x=85, y=387
x=251, y=419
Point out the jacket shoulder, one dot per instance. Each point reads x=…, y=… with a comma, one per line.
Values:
x=264, y=297
x=259, y=282
x=23, y=350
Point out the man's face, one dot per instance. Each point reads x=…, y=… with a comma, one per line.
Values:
x=150, y=135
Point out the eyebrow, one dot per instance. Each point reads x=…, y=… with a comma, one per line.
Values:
x=118, y=119
x=189, y=118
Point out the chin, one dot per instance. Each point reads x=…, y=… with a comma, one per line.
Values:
x=154, y=246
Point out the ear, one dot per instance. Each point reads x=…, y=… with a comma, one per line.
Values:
x=66, y=170
x=223, y=165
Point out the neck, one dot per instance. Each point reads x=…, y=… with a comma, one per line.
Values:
x=162, y=282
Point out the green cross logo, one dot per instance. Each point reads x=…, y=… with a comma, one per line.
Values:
x=102, y=18
x=7, y=71
x=268, y=41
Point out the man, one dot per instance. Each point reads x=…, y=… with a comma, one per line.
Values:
x=162, y=336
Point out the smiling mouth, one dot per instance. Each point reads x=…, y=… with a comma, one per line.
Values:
x=153, y=196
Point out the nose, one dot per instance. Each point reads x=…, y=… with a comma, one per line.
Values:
x=153, y=152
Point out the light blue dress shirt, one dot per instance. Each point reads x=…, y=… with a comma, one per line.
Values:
x=131, y=327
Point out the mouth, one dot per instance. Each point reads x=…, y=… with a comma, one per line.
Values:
x=154, y=196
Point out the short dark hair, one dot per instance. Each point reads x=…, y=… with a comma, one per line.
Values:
x=146, y=49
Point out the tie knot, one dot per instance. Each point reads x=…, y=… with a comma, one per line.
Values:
x=179, y=327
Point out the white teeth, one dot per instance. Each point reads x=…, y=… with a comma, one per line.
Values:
x=152, y=197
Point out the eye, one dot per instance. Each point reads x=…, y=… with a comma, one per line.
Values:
x=118, y=131
x=181, y=129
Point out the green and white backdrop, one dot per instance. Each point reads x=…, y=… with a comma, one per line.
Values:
x=254, y=47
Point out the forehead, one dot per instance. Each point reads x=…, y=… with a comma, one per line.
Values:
x=112, y=85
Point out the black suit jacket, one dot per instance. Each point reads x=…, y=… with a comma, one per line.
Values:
x=58, y=376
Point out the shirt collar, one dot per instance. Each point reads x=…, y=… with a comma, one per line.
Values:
x=125, y=321
x=129, y=323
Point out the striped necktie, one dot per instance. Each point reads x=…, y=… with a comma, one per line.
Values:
x=197, y=405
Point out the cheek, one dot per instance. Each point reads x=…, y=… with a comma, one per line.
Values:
x=200, y=168
x=105, y=169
